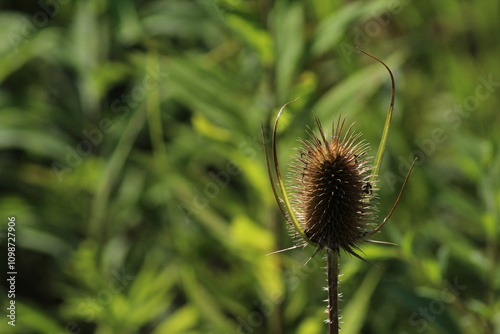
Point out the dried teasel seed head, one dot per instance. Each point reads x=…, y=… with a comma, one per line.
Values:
x=332, y=203
x=332, y=192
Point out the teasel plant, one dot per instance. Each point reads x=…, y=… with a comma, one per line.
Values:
x=332, y=202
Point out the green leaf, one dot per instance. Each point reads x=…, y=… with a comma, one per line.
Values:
x=357, y=309
x=289, y=40
x=257, y=39
x=180, y=322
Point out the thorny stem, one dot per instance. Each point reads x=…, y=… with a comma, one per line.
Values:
x=332, y=265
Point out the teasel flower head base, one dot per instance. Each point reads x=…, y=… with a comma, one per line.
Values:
x=333, y=196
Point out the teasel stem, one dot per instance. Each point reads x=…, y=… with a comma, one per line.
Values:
x=332, y=265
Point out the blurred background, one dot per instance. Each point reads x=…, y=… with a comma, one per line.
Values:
x=132, y=158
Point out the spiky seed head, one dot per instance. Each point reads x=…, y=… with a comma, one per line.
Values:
x=331, y=189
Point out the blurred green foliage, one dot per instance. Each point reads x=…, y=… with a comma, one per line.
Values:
x=131, y=157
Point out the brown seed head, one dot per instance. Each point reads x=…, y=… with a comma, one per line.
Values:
x=331, y=191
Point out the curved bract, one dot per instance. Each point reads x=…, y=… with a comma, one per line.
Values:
x=387, y=125
x=277, y=181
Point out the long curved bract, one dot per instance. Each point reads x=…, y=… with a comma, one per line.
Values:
x=277, y=182
x=387, y=125
x=381, y=148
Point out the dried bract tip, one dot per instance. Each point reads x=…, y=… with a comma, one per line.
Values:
x=332, y=192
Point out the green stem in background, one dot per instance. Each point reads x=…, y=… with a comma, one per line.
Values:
x=332, y=265
x=113, y=169
x=153, y=101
